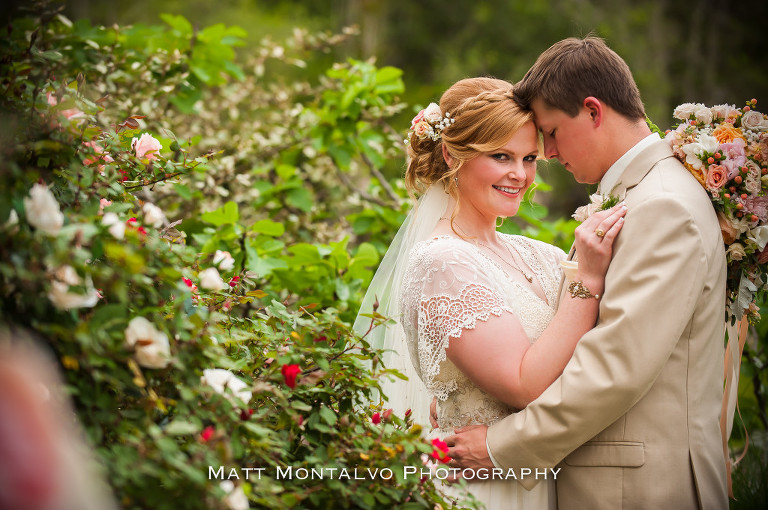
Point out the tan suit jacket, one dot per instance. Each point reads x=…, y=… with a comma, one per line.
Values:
x=634, y=418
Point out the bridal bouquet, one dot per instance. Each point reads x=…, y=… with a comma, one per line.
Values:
x=726, y=149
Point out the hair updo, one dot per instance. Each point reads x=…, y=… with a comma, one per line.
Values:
x=486, y=117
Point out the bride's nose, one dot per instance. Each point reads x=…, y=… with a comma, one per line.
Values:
x=517, y=172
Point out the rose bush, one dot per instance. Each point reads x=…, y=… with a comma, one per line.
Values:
x=170, y=314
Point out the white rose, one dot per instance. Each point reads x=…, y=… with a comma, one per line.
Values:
x=211, y=280
x=432, y=113
x=753, y=183
x=760, y=236
x=703, y=114
x=235, y=498
x=754, y=120
x=43, y=211
x=64, y=278
x=724, y=111
x=151, y=346
x=709, y=143
x=220, y=379
x=223, y=260
x=585, y=211
x=153, y=215
x=736, y=251
x=692, y=152
x=115, y=224
x=685, y=110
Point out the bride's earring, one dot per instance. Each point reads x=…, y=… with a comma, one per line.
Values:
x=499, y=224
x=456, y=180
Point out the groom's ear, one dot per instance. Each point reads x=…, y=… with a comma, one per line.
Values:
x=595, y=109
x=447, y=157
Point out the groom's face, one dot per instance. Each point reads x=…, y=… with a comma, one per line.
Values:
x=570, y=140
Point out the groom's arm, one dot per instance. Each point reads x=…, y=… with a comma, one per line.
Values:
x=651, y=290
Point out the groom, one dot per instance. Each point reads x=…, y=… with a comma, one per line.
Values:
x=634, y=418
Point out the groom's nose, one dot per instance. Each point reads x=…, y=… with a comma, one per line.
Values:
x=550, y=147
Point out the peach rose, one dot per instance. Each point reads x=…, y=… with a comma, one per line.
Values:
x=716, y=177
x=730, y=233
x=421, y=130
x=726, y=133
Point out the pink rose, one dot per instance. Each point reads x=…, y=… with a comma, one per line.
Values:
x=418, y=118
x=98, y=149
x=71, y=113
x=716, y=177
x=146, y=146
x=757, y=206
x=735, y=157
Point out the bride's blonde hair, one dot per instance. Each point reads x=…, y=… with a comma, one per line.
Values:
x=486, y=117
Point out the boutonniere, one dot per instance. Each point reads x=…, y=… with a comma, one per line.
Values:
x=598, y=202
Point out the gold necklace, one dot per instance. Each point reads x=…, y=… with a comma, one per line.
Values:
x=478, y=243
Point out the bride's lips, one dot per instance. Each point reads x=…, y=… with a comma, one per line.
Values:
x=507, y=190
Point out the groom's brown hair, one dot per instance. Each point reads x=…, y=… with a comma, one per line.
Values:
x=573, y=69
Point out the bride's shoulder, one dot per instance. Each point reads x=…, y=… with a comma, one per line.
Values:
x=442, y=248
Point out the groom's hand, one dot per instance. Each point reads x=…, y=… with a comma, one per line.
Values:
x=467, y=448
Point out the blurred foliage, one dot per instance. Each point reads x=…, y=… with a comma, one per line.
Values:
x=675, y=50
x=143, y=270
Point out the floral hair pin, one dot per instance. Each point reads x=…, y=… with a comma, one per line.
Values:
x=430, y=122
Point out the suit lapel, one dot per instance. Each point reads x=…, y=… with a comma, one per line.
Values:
x=639, y=167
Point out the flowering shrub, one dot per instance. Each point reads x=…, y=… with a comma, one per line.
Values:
x=726, y=149
x=198, y=345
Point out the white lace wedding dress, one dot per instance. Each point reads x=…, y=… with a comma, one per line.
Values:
x=449, y=285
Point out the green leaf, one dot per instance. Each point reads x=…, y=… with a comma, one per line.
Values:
x=304, y=254
x=180, y=427
x=178, y=23
x=328, y=415
x=367, y=254
x=183, y=191
x=268, y=227
x=225, y=214
x=301, y=198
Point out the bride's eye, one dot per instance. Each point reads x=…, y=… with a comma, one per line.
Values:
x=500, y=156
x=530, y=158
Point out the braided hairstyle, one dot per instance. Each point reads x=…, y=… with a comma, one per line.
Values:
x=486, y=117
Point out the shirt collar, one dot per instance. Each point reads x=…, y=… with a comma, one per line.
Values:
x=613, y=174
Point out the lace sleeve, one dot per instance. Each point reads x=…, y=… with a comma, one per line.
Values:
x=451, y=294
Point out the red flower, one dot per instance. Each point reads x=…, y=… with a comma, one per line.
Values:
x=376, y=418
x=321, y=338
x=386, y=414
x=245, y=414
x=441, y=451
x=207, y=434
x=289, y=374
x=233, y=281
x=131, y=221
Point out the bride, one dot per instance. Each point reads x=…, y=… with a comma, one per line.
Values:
x=482, y=322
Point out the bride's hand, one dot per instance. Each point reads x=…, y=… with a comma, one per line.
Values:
x=595, y=250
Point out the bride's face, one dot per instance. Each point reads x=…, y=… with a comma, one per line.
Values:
x=494, y=183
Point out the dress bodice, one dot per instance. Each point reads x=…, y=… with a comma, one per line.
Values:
x=449, y=285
